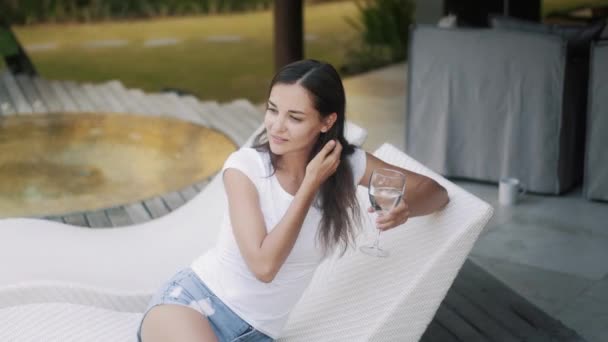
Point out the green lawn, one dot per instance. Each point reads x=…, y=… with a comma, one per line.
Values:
x=561, y=5
x=212, y=70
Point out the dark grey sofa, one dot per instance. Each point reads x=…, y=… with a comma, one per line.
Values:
x=595, y=185
x=488, y=103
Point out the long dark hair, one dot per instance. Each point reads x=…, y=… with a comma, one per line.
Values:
x=337, y=199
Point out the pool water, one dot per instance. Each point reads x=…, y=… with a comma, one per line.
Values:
x=59, y=163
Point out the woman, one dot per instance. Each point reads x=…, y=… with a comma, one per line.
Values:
x=291, y=202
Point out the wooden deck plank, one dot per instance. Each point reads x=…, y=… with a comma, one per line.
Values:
x=6, y=104
x=191, y=102
x=237, y=122
x=183, y=111
x=144, y=103
x=111, y=102
x=67, y=101
x=255, y=112
x=79, y=96
x=54, y=218
x=138, y=98
x=203, y=184
x=173, y=200
x=521, y=307
x=20, y=103
x=161, y=106
x=435, y=332
x=201, y=119
x=497, y=309
x=98, y=101
x=118, y=216
x=48, y=94
x=188, y=193
x=177, y=109
x=217, y=120
x=457, y=325
x=245, y=114
x=127, y=101
x=31, y=94
x=98, y=219
x=137, y=212
x=170, y=107
x=478, y=318
x=76, y=219
x=156, y=207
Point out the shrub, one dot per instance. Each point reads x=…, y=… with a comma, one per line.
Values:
x=38, y=11
x=383, y=27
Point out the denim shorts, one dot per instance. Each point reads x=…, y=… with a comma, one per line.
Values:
x=187, y=289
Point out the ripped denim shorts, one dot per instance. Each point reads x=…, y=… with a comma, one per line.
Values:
x=187, y=289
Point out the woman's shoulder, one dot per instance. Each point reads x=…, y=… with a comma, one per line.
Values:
x=248, y=160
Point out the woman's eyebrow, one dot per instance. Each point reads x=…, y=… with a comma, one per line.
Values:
x=290, y=111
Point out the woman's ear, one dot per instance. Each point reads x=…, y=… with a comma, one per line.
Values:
x=328, y=122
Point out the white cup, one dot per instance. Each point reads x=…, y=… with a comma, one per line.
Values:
x=509, y=190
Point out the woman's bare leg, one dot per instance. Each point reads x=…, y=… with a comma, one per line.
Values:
x=169, y=322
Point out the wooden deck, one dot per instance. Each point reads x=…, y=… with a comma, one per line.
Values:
x=478, y=307
x=25, y=95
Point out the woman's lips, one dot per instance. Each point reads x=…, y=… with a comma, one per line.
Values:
x=278, y=140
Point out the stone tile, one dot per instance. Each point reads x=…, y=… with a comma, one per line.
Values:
x=224, y=39
x=599, y=290
x=41, y=47
x=106, y=43
x=551, y=291
x=548, y=244
x=161, y=42
x=589, y=317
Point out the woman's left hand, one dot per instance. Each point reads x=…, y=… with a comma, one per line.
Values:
x=395, y=217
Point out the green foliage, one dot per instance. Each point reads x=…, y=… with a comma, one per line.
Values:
x=221, y=71
x=39, y=11
x=383, y=27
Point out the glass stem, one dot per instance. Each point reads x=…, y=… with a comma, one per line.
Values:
x=378, y=231
x=377, y=241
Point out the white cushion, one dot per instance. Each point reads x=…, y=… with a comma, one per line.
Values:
x=63, y=322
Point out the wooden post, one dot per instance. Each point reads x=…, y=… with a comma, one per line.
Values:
x=288, y=32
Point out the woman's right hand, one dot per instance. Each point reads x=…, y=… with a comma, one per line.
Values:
x=324, y=164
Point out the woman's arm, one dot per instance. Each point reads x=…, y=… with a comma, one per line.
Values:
x=423, y=195
x=265, y=252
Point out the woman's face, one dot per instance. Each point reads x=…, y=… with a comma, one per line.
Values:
x=292, y=123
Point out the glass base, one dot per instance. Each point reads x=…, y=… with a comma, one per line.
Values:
x=374, y=251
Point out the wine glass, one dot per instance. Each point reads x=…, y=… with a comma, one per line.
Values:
x=386, y=187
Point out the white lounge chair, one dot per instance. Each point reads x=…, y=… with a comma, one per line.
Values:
x=62, y=283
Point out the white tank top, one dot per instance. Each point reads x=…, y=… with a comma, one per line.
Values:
x=265, y=306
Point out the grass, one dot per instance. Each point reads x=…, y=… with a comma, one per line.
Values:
x=211, y=70
x=550, y=6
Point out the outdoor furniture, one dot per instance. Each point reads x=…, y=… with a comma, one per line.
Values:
x=491, y=103
x=69, y=283
x=595, y=182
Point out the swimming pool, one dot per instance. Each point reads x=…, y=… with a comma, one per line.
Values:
x=58, y=163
